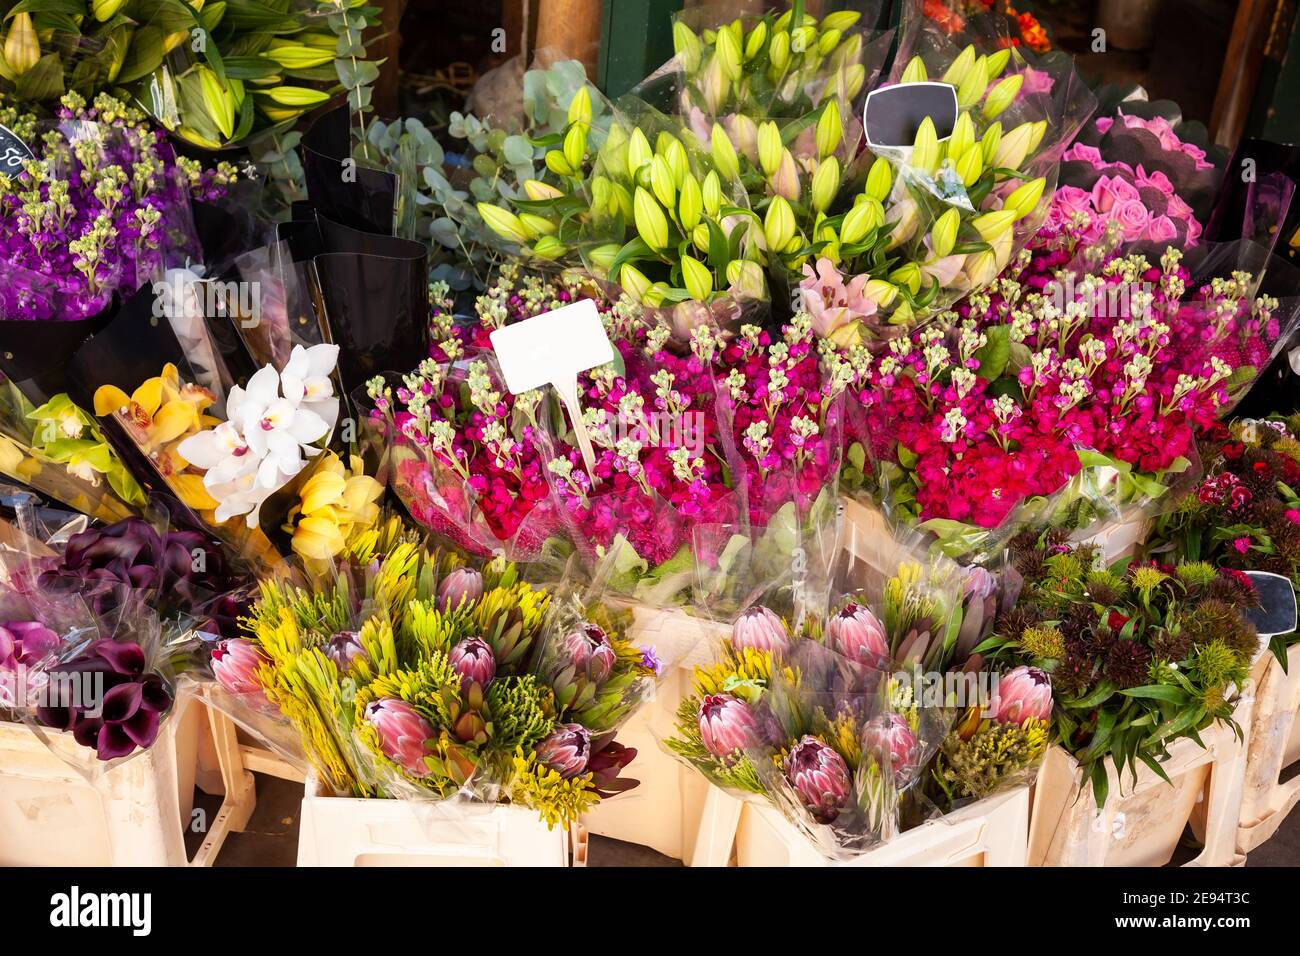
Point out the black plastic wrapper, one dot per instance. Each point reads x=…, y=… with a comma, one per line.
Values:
x=35, y=355
x=366, y=202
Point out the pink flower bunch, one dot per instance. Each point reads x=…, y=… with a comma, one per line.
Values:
x=992, y=406
x=659, y=468
x=784, y=415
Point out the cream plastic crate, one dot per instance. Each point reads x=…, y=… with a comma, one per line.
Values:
x=1274, y=745
x=1142, y=823
x=663, y=811
x=1120, y=539
x=345, y=831
x=134, y=815
x=989, y=832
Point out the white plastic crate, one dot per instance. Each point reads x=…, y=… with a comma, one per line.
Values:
x=346, y=831
x=1274, y=745
x=1142, y=822
x=989, y=832
x=134, y=815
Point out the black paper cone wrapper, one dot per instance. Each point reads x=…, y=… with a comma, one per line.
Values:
x=1262, y=204
x=366, y=199
x=35, y=355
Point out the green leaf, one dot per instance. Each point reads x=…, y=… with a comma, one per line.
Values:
x=1157, y=692
x=995, y=353
x=44, y=81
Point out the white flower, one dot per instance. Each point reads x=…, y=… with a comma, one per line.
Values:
x=272, y=424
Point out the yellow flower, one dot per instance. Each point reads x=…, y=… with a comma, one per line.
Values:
x=334, y=504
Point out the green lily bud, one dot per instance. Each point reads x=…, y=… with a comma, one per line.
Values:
x=860, y=220
x=536, y=225
x=880, y=292
x=995, y=63
x=600, y=196
x=22, y=48
x=756, y=41
x=747, y=278
x=575, y=146
x=778, y=53
x=982, y=268
x=634, y=282
x=580, y=108
x=697, y=278
x=778, y=224
x=972, y=85
x=503, y=222
x=925, y=150
x=638, y=152
x=828, y=41
x=700, y=237
x=687, y=47
x=803, y=39
x=943, y=236
x=557, y=163
x=620, y=201
x=677, y=161
x=1014, y=147
x=651, y=223
x=993, y=225
x=991, y=141
x=548, y=247
x=915, y=71
x=724, y=154
x=848, y=52
x=1002, y=95
x=216, y=98
x=1040, y=129
x=769, y=147
x=963, y=134
x=825, y=183
x=840, y=20
x=537, y=190
x=105, y=9
x=712, y=193
x=729, y=54
x=830, y=129
x=657, y=294
x=970, y=165
x=786, y=180
x=879, y=180
x=783, y=21
x=957, y=71
x=902, y=315
x=661, y=182
x=854, y=77
x=602, y=257
x=1024, y=199
x=690, y=204
x=908, y=276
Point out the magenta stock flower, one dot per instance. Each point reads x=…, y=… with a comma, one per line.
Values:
x=403, y=733
x=462, y=588
x=727, y=725
x=760, y=629
x=890, y=738
x=820, y=776
x=567, y=750
x=857, y=634
x=473, y=660
x=1023, y=694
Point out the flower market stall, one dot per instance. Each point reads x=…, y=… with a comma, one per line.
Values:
x=862, y=438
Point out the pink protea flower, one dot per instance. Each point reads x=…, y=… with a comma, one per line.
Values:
x=857, y=634
x=566, y=750
x=760, y=629
x=590, y=652
x=462, y=587
x=820, y=776
x=343, y=648
x=402, y=733
x=234, y=664
x=1022, y=695
x=473, y=660
x=893, y=742
x=727, y=725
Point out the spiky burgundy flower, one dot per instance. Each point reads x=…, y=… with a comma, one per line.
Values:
x=567, y=750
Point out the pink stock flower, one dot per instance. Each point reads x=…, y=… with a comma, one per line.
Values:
x=1242, y=544
x=1023, y=694
x=402, y=733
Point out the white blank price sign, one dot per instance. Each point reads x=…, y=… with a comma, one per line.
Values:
x=553, y=349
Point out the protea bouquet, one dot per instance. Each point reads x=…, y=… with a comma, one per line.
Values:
x=415, y=675
x=1136, y=657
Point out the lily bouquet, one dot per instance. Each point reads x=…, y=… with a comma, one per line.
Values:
x=416, y=676
x=1136, y=657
